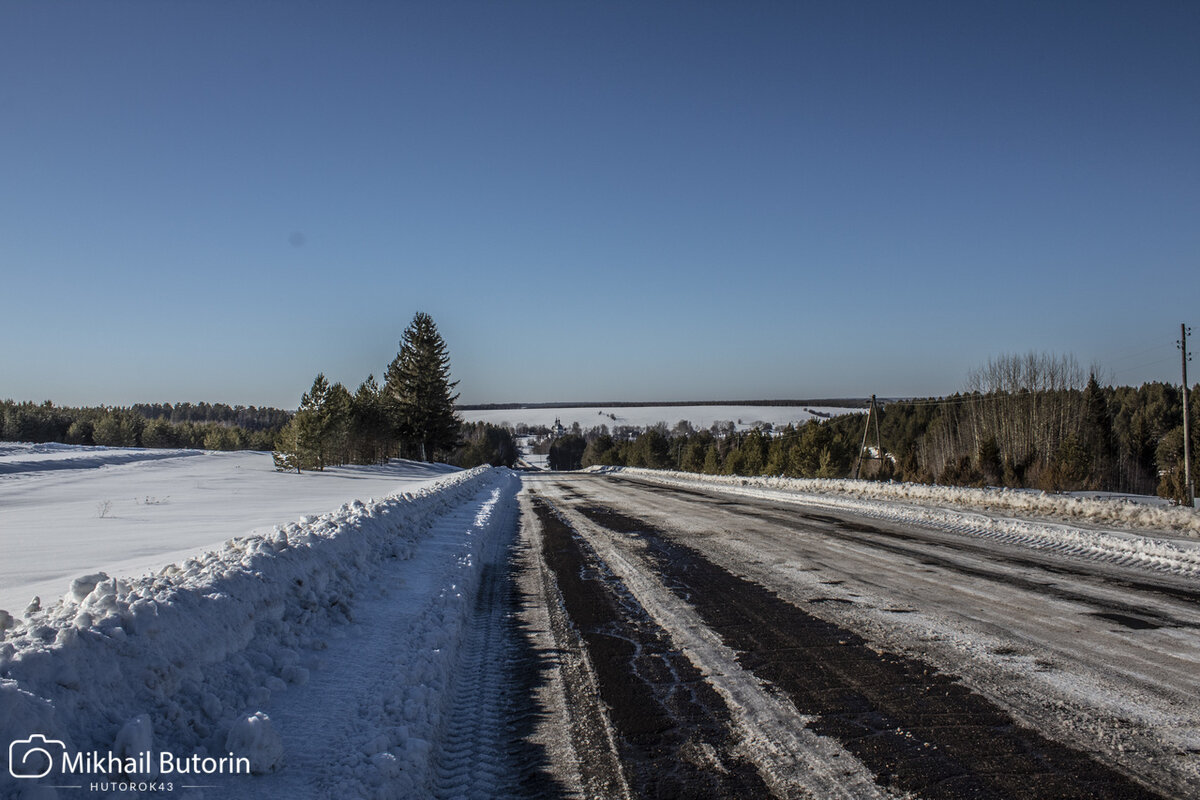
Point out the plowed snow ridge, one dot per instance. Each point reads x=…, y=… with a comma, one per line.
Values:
x=1126, y=548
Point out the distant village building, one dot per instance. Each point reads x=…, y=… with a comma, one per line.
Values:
x=558, y=430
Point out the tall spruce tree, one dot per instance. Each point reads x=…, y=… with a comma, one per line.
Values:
x=1097, y=434
x=419, y=394
x=312, y=420
x=368, y=424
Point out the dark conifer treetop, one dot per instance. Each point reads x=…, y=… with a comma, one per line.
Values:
x=411, y=416
x=419, y=393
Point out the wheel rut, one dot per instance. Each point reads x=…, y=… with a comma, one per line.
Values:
x=672, y=729
x=917, y=729
x=485, y=750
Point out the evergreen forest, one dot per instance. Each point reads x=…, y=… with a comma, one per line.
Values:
x=1028, y=421
x=206, y=426
x=411, y=415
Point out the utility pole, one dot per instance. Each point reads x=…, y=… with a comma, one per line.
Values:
x=871, y=412
x=1189, y=488
x=878, y=441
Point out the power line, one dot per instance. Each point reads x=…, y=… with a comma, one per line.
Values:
x=966, y=398
x=1154, y=363
x=1157, y=344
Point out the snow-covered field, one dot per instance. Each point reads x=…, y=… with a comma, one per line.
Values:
x=66, y=511
x=325, y=643
x=743, y=417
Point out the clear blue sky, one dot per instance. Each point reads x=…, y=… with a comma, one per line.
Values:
x=594, y=200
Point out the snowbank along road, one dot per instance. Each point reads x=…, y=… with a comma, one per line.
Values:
x=626, y=635
x=368, y=652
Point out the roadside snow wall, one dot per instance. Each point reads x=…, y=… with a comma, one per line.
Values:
x=203, y=642
x=950, y=508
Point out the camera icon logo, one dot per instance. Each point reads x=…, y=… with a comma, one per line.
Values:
x=33, y=757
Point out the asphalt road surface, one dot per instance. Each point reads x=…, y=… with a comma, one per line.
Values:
x=695, y=643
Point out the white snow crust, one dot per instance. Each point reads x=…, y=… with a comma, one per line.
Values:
x=210, y=653
x=67, y=510
x=23, y=458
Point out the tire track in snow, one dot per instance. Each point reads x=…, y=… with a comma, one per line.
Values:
x=1123, y=692
x=930, y=552
x=368, y=721
x=574, y=727
x=470, y=758
x=483, y=751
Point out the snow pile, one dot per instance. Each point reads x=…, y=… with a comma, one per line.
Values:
x=398, y=678
x=1084, y=507
x=187, y=658
x=927, y=505
x=256, y=739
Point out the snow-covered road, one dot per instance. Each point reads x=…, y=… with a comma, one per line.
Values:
x=1099, y=654
x=576, y=635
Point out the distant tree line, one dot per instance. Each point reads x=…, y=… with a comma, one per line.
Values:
x=484, y=443
x=815, y=449
x=1036, y=422
x=836, y=402
x=251, y=418
x=143, y=425
x=1028, y=421
x=412, y=415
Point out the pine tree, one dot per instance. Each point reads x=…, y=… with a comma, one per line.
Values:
x=1098, y=434
x=369, y=424
x=287, y=448
x=419, y=393
x=338, y=417
x=312, y=420
x=303, y=442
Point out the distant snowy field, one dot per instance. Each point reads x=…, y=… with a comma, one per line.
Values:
x=66, y=511
x=744, y=417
